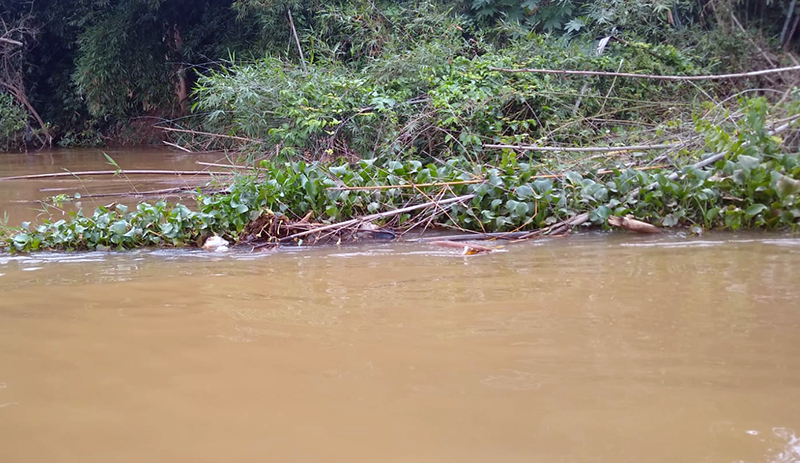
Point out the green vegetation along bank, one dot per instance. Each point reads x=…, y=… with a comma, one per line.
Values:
x=756, y=184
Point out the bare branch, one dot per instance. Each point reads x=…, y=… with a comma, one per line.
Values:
x=12, y=42
x=586, y=149
x=114, y=172
x=650, y=76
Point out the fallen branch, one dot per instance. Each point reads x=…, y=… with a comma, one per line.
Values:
x=554, y=229
x=650, y=76
x=380, y=215
x=583, y=149
x=406, y=185
x=599, y=172
x=230, y=166
x=753, y=42
x=464, y=182
x=113, y=172
x=297, y=40
x=209, y=134
x=175, y=145
x=472, y=236
x=712, y=159
x=559, y=228
x=133, y=194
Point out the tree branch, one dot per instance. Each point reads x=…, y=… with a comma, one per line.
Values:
x=650, y=76
x=583, y=149
x=12, y=42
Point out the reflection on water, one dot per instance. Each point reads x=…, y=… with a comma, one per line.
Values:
x=790, y=453
x=783, y=445
x=601, y=348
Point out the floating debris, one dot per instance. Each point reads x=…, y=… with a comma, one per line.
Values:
x=216, y=244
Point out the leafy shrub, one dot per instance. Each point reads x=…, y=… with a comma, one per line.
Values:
x=440, y=98
x=12, y=121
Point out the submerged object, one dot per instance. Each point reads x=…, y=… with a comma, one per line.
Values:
x=629, y=223
x=216, y=244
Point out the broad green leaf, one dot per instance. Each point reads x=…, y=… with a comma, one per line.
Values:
x=22, y=238
x=748, y=163
x=543, y=185
x=524, y=192
x=119, y=227
x=573, y=177
x=670, y=220
x=755, y=209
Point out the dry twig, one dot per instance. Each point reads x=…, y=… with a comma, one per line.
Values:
x=381, y=215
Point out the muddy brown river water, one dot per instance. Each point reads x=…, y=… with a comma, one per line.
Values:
x=597, y=348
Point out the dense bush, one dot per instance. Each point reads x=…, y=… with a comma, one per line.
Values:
x=443, y=98
x=95, y=64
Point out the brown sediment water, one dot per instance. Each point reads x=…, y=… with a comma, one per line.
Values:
x=597, y=348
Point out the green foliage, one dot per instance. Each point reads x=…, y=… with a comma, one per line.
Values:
x=643, y=18
x=134, y=54
x=95, y=64
x=547, y=15
x=12, y=120
x=437, y=98
x=118, y=228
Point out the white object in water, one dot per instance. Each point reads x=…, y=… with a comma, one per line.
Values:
x=216, y=244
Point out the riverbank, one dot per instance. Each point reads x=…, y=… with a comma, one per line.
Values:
x=743, y=178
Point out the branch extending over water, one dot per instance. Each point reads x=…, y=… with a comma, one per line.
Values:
x=584, y=149
x=651, y=76
x=114, y=172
